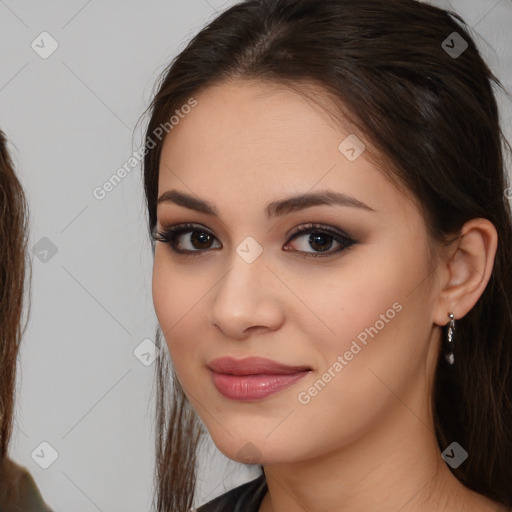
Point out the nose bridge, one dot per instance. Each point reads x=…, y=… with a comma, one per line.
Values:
x=243, y=297
x=245, y=274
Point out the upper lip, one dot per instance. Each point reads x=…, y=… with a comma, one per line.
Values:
x=252, y=366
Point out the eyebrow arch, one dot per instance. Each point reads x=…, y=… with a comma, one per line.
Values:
x=273, y=209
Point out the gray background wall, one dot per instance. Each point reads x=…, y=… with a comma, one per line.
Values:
x=72, y=119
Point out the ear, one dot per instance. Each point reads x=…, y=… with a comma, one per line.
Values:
x=466, y=270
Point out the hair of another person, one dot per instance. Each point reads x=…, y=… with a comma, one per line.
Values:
x=13, y=270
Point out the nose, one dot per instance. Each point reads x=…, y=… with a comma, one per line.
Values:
x=247, y=299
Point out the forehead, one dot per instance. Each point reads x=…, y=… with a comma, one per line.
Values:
x=252, y=118
x=261, y=140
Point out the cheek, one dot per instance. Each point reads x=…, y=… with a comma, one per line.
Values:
x=177, y=301
x=162, y=297
x=368, y=355
x=175, y=291
x=368, y=316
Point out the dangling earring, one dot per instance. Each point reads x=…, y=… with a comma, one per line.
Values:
x=451, y=329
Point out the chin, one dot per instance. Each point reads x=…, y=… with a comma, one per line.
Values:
x=252, y=449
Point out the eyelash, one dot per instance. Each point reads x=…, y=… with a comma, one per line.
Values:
x=169, y=236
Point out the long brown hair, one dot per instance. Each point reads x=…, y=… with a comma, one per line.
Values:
x=13, y=269
x=433, y=116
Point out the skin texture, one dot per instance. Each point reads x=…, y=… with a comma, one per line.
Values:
x=366, y=440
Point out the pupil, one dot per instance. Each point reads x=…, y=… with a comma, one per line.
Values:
x=314, y=238
x=201, y=235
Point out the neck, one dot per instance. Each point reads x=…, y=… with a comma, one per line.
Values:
x=395, y=467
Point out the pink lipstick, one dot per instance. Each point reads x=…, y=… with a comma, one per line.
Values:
x=253, y=378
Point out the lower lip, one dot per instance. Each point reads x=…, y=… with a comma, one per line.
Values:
x=253, y=387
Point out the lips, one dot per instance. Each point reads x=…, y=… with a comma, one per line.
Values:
x=253, y=378
x=253, y=366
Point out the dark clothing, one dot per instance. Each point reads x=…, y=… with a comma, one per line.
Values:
x=244, y=498
x=22, y=494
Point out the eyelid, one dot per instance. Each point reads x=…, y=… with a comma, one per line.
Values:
x=192, y=226
x=315, y=226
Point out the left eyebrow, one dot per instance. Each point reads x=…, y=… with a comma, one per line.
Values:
x=273, y=209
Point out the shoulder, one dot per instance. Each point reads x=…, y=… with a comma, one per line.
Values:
x=18, y=490
x=246, y=497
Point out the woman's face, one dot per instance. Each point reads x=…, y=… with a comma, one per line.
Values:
x=355, y=310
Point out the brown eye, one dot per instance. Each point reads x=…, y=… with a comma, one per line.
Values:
x=197, y=239
x=321, y=239
x=201, y=238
